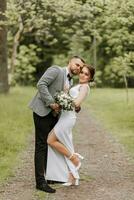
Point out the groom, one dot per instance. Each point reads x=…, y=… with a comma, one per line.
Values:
x=43, y=105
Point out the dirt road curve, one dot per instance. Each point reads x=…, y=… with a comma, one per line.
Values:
x=107, y=173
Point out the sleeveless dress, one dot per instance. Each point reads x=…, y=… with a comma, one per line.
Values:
x=58, y=165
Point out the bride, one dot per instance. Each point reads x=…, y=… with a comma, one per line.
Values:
x=63, y=163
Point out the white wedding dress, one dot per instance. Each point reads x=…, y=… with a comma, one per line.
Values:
x=59, y=166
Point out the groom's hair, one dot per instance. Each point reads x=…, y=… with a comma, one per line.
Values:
x=78, y=57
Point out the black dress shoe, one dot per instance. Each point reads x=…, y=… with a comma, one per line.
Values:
x=45, y=187
x=54, y=182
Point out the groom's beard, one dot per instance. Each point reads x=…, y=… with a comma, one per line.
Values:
x=75, y=72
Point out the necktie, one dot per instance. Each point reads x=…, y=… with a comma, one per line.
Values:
x=69, y=77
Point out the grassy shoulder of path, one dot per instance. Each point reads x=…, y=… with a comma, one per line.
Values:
x=15, y=127
x=109, y=106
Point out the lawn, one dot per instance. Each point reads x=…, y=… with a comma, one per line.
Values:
x=109, y=106
x=15, y=127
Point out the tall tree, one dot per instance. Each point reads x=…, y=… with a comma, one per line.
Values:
x=4, y=87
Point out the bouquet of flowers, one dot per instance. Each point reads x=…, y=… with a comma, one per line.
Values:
x=64, y=100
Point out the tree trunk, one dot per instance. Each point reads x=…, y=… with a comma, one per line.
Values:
x=4, y=86
x=94, y=52
x=15, y=44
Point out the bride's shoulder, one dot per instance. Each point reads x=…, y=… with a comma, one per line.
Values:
x=84, y=86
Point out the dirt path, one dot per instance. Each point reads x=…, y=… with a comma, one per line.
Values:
x=106, y=173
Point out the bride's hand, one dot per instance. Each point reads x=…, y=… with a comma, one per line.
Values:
x=75, y=159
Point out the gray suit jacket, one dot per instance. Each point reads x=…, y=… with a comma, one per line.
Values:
x=52, y=81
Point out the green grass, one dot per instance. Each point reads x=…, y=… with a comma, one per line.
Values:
x=41, y=195
x=110, y=108
x=15, y=126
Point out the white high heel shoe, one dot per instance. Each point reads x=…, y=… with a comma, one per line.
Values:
x=76, y=183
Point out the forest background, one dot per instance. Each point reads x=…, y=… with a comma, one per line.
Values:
x=38, y=33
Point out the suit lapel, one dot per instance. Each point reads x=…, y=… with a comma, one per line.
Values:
x=64, y=77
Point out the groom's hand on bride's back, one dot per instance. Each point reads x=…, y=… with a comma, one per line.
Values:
x=77, y=109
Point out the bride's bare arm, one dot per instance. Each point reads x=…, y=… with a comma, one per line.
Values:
x=82, y=94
